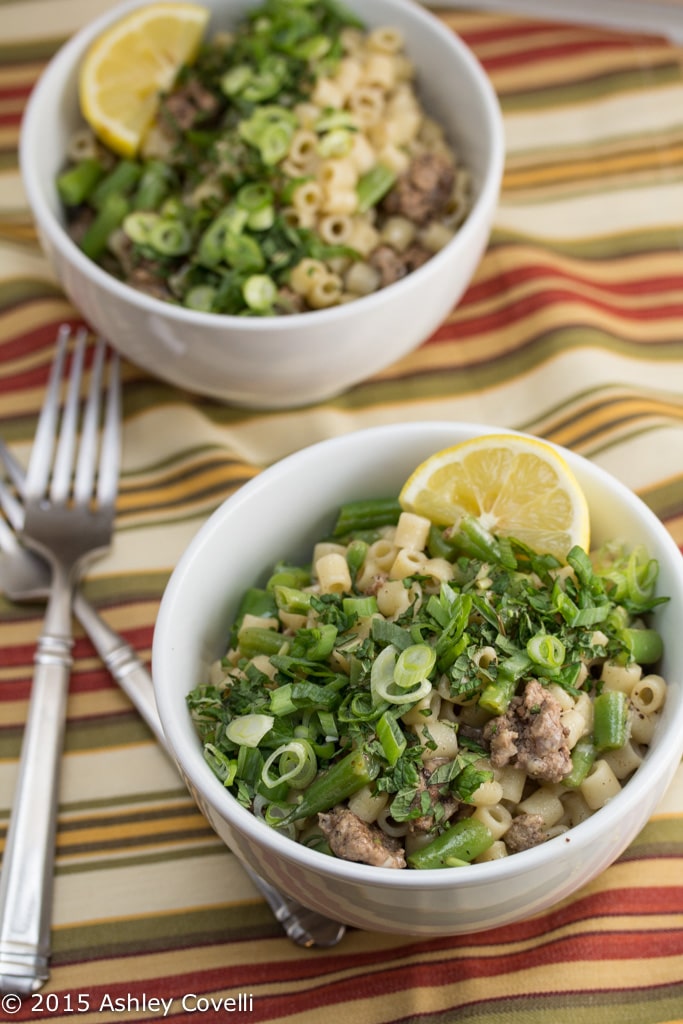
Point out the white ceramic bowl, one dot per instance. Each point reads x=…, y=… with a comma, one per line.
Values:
x=277, y=515
x=288, y=360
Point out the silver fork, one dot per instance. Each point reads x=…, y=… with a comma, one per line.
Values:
x=25, y=577
x=69, y=498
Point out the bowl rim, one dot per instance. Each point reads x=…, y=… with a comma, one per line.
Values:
x=657, y=768
x=29, y=146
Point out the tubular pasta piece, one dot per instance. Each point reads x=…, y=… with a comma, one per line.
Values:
x=385, y=39
x=625, y=760
x=391, y=827
x=435, y=236
x=600, y=785
x=398, y=232
x=496, y=851
x=642, y=726
x=379, y=71
x=304, y=274
x=496, y=817
x=544, y=802
x=361, y=277
x=393, y=599
x=443, y=735
x=325, y=291
x=367, y=103
x=367, y=805
x=488, y=794
x=363, y=237
x=335, y=228
x=333, y=573
x=425, y=711
x=412, y=531
x=620, y=677
x=512, y=781
x=648, y=694
x=407, y=563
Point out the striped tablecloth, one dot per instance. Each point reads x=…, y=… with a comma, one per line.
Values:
x=572, y=329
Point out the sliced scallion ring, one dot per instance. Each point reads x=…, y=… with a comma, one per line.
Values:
x=413, y=665
x=249, y=730
x=546, y=650
x=295, y=762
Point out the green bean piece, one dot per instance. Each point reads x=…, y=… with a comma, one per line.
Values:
x=496, y=696
x=257, y=602
x=259, y=640
x=290, y=599
x=363, y=607
x=355, y=556
x=438, y=546
x=368, y=514
x=645, y=645
x=77, y=183
x=458, y=845
x=289, y=576
x=153, y=187
x=121, y=181
x=583, y=757
x=337, y=783
x=610, y=720
x=475, y=540
x=108, y=218
x=373, y=186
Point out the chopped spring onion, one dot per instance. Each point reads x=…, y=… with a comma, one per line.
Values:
x=170, y=237
x=391, y=737
x=414, y=665
x=546, y=650
x=249, y=730
x=295, y=762
x=138, y=226
x=260, y=292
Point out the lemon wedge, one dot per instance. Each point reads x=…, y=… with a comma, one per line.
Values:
x=130, y=64
x=514, y=486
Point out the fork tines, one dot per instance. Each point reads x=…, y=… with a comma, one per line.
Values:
x=55, y=483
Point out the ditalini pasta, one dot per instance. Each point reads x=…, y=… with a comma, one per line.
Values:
x=403, y=701
x=298, y=141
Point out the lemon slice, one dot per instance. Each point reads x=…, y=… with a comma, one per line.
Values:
x=130, y=64
x=514, y=486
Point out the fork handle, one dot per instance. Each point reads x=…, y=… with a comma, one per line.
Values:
x=28, y=862
x=123, y=663
x=303, y=926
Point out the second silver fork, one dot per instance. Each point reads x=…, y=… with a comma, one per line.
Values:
x=70, y=499
x=24, y=577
